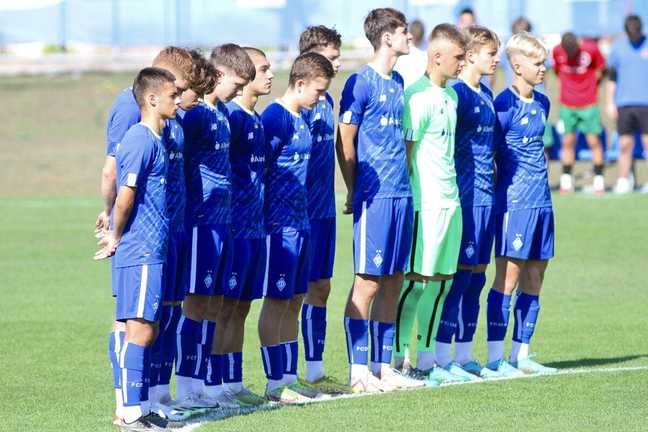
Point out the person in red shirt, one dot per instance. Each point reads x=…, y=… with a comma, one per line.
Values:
x=579, y=66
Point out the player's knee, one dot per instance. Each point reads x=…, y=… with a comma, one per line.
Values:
x=214, y=309
x=365, y=288
x=241, y=311
x=465, y=267
x=319, y=291
x=141, y=332
x=295, y=304
x=195, y=307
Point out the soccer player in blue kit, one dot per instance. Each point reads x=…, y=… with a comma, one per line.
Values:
x=524, y=221
x=288, y=146
x=320, y=183
x=139, y=238
x=248, y=159
x=208, y=266
x=372, y=158
x=475, y=179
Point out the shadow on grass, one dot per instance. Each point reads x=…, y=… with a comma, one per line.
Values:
x=589, y=362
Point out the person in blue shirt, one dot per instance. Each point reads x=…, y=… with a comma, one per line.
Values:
x=320, y=183
x=208, y=262
x=524, y=221
x=124, y=113
x=139, y=238
x=248, y=159
x=626, y=100
x=475, y=179
x=372, y=158
x=288, y=148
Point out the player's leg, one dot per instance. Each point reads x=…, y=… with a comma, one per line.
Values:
x=643, y=129
x=592, y=128
x=627, y=124
x=115, y=342
x=569, y=117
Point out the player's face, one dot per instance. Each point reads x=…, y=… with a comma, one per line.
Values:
x=400, y=40
x=452, y=59
x=189, y=99
x=167, y=101
x=310, y=91
x=532, y=69
x=229, y=86
x=332, y=53
x=262, y=84
x=466, y=20
x=486, y=59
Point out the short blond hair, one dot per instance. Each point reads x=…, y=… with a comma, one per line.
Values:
x=525, y=44
x=479, y=36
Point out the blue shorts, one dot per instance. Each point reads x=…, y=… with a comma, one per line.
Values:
x=286, y=272
x=322, y=246
x=526, y=234
x=248, y=269
x=173, y=267
x=209, y=260
x=382, y=235
x=477, y=236
x=140, y=289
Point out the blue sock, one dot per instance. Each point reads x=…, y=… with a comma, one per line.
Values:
x=133, y=364
x=290, y=357
x=357, y=336
x=187, y=344
x=497, y=312
x=526, y=312
x=450, y=312
x=272, y=357
x=204, y=349
x=115, y=343
x=469, y=308
x=233, y=368
x=382, y=342
x=214, y=376
x=168, y=333
x=313, y=326
x=158, y=348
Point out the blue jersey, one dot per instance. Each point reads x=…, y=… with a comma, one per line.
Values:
x=375, y=103
x=124, y=113
x=176, y=190
x=474, y=145
x=142, y=163
x=248, y=158
x=522, y=181
x=320, y=180
x=288, y=145
x=207, y=165
x=630, y=62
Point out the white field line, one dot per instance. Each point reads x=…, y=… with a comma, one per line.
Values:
x=562, y=372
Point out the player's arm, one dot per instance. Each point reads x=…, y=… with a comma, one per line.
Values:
x=108, y=195
x=346, y=155
x=122, y=210
x=610, y=90
x=409, y=147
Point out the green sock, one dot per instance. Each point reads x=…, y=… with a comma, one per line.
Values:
x=405, y=315
x=429, y=311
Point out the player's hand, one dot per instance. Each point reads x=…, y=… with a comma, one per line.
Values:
x=108, y=246
x=611, y=111
x=101, y=225
x=348, y=205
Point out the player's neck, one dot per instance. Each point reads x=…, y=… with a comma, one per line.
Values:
x=290, y=101
x=471, y=77
x=436, y=77
x=211, y=99
x=522, y=87
x=383, y=61
x=247, y=100
x=153, y=121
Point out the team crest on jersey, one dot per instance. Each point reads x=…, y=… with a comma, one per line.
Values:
x=378, y=259
x=155, y=306
x=281, y=284
x=517, y=243
x=524, y=121
x=477, y=110
x=534, y=112
x=208, y=280
x=470, y=250
x=232, y=282
x=383, y=98
x=250, y=135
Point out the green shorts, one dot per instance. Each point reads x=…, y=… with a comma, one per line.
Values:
x=437, y=240
x=587, y=120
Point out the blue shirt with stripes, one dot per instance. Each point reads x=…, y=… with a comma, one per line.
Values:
x=124, y=113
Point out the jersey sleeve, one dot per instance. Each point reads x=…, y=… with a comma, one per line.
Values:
x=274, y=129
x=355, y=97
x=613, y=63
x=134, y=158
x=460, y=99
x=118, y=124
x=416, y=116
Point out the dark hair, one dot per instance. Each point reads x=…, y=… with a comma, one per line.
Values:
x=467, y=10
x=417, y=29
x=320, y=36
x=633, y=26
x=204, y=75
x=381, y=21
x=234, y=57
x=521, y=24
x=310, y=66
x=150, y=79
x=177, y=58
x=569, y=42
x=449, y=32
x=478, y=36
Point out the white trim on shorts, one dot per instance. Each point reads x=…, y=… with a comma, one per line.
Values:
x=309, y=330
x=141, y=301
x=266, y=272
x=194, y=256
x=362, y=267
